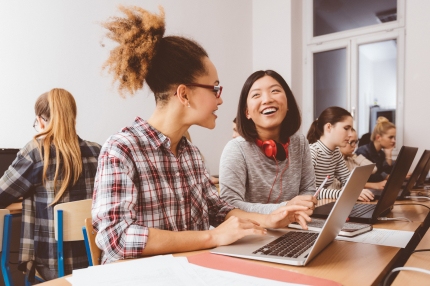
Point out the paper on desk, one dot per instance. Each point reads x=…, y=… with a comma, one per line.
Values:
x=213, y=277
x=378, y=236
x=162, y=270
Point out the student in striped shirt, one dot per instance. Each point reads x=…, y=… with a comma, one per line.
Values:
x=331, y=130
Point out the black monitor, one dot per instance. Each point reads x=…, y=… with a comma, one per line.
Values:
x=376, y=112
x=6, y=158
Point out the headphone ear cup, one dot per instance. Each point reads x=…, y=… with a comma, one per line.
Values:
x=269, y=148
x=280, y=155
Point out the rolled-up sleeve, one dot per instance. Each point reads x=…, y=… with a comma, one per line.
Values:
x=114, y=209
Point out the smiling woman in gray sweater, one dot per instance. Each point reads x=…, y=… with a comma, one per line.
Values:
x=269, y=165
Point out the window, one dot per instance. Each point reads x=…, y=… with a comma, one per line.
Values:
x=353, y=62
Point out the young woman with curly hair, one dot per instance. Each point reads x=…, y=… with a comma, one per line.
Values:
x=55, y=167
x=153, y=194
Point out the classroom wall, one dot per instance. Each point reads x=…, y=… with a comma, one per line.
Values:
x=50, y=43
x=417, y=77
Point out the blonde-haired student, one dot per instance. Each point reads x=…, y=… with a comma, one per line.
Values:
x=57, y=166
x=379, y=149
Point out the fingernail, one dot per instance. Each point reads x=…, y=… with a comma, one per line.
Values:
x=265, y=231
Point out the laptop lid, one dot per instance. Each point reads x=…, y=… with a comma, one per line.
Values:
x=6, y=158
x=246, y=246
x=416, y=173
x=423, y=175
x=395, y=180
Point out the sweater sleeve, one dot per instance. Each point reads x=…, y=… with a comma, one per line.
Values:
x=233, y=175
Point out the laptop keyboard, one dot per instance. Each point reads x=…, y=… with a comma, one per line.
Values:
x=360, y=209
x=292, y=244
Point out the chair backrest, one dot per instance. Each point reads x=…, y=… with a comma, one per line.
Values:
x=5, y=232
x=74, y=214
x=91, y=235
x=3, y=212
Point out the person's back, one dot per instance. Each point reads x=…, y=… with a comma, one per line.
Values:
x=45, y=179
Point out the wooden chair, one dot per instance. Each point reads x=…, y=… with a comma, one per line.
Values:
x=5, y=232
x=69, y=220
x=93, y=251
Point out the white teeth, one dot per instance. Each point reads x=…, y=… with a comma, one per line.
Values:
x=269, y=110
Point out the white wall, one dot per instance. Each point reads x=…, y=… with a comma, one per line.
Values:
x=417, y=81
x=271, y=36
x=51, y=43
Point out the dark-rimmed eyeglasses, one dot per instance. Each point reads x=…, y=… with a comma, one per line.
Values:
x=215, y=88
x=353, y=142
x=36, y=123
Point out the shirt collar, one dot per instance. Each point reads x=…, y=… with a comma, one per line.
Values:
x=325, y=148
x=155, y=137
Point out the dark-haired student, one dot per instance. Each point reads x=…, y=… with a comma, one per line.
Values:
x=331, y=130
x=55, y=167
x=379, y=149
x=252, y=177
x=153, y=194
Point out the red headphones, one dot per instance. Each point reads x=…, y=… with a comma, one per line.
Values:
x=273, y=149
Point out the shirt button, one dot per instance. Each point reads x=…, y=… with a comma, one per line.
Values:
x=177, y=174
x=185, y=226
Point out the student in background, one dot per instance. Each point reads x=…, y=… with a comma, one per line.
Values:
x=331, y=130
x=55, y=167
x=379, y=150
x=235, y=133
x=353, y=160
x=254, y=178
x=152, y=192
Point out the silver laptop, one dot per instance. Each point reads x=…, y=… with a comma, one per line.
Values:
x=295, y=247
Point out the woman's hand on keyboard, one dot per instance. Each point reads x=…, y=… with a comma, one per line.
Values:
x=366, y=196
x=285, y=215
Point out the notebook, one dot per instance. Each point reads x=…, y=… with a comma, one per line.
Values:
x=295, y=247
x=6, y=158
x=369, y=213
x=349, y=229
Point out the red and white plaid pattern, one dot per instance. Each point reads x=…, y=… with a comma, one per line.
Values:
x=140, y=184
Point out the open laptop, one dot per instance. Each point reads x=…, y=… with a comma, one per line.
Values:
x=6, y=158
x=421, y=182
x=295, y=247
x=407, y=185
x=369, y=213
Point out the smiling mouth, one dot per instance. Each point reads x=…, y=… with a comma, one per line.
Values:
x=269, y=110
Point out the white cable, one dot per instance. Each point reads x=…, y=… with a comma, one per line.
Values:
x=421, y=270
x=425, y=271
x=394, y=218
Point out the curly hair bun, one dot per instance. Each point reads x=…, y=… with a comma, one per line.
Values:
x=137, y=35
x=382, y=119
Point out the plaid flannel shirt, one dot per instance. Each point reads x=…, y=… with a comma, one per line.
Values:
x=140, y=184
x=24, y=179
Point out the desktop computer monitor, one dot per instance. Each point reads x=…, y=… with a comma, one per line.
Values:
x=6, y=158
x=376, y=111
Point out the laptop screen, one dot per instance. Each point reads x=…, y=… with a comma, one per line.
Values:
x=6, y=158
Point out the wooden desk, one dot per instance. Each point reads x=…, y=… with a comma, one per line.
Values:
x=15, y=208
x=417, y=259
x=345, y=262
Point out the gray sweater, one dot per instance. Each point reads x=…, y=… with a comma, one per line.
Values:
x=246, y=175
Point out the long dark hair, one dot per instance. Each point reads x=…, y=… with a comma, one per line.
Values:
x=332, y=115
x=290, y=124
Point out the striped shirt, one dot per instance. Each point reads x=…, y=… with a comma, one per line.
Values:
x=328, y=163
x=24, y=179
x=141, y=184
